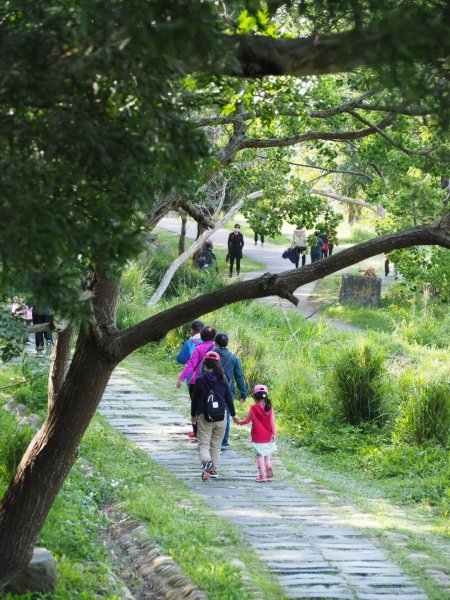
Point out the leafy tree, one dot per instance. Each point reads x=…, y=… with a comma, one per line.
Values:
x=103, y=107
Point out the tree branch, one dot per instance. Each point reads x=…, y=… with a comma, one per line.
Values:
x=182, y=258
x=387, y=137
x=333, y=136
x=339, y=198
x=342, y=171
x=405, y=36
x=156, y=327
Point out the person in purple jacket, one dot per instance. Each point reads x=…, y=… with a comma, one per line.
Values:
x=185, y=354
x=210, y=432
x=193, y=366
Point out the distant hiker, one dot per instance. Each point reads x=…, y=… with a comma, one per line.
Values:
x=316, y=248
x=332, y=241
x=43, y=315
x=235, y=245
x=299, y=243
x=194, y=364
x=260, y=230
x=325, y=245
x=207, y=258
x=185, y=354
x=232, y=367
x=210, y=401
x=263, y=431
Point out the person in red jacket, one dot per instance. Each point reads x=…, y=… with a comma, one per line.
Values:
x=263, y=431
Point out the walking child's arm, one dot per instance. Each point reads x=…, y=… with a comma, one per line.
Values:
x=247, y=419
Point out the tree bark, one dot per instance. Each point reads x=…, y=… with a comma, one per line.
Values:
x=182, y=240
x=59, y=364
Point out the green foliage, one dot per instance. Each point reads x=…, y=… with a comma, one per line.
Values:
x=424, y=411
x=12, y=335
x=14, y=440
x=34, y=392
x=357, y=383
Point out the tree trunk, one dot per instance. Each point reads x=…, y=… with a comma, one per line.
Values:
x=182, y=240
x=50, y=456
x=59, y=363
x=200, y=231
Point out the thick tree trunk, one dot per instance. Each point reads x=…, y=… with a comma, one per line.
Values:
x=50, y=456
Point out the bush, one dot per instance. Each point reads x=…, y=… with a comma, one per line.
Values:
x=13, y=443
x=424, y=412
x=357, y=384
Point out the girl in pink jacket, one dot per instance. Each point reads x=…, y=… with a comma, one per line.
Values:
x=263, y=431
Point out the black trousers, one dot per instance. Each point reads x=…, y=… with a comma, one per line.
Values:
x=238, y=264
x=299, y=250
x=191, y=392
x=47, y=335
x=256, y=237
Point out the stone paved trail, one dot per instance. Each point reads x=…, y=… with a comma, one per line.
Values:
x=313, y=552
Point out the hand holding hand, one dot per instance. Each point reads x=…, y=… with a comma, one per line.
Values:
x=237, y=420
x=178, y=384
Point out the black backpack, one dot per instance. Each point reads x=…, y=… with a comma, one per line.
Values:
x=204, y=260
x=214, y=407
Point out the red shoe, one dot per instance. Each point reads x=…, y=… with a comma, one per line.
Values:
x=269, y=472
x=261, y=479
x=192, y=435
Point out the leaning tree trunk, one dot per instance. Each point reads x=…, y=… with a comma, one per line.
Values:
x=50, y=456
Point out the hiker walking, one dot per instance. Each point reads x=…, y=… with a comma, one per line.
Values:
x=42, y=315
x=185, y=354
x=263, y=431
x=194, y=364
x=299, y=243
x=235, y=245
x=232, y=367
x=316, y=247
x=210, y=400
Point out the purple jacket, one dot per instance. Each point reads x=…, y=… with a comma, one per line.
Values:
x=194, y=364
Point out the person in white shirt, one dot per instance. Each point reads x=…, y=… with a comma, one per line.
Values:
x=299, y=243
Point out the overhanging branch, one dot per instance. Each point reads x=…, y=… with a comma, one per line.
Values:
x=283, y=284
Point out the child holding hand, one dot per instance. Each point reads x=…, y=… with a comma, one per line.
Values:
x=263, y=431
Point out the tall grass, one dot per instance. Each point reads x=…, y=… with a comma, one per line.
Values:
x=424, y=410
x=357, y=382
x=14, y=441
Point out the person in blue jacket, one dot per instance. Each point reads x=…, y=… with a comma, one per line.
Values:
x=232, y=367
x=185, y=354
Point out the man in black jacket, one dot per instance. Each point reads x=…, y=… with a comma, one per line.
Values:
x=235, y=245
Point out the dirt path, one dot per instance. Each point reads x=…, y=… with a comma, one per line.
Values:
x=313, y=551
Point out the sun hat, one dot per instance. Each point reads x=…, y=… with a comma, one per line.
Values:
x=260, y=389
x=211, y=355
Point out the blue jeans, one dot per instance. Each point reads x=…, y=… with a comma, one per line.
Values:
x=225, y=440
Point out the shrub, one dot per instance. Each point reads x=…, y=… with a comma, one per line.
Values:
x=357, y=384
x=13, y=444
x=424, y=412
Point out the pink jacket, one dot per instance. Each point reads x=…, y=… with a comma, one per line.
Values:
x=194, y=364
x=263, y=424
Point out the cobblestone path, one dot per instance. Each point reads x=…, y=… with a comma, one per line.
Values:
x=314, y=553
